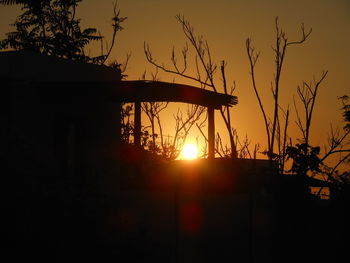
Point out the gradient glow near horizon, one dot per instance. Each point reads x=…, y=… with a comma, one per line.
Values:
x=226, y=24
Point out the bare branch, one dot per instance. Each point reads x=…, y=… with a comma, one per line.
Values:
x=253, y=58
x=205, y=68
x=336, y=142
x=304, y=37
x=307, y=94
x=116, y=25
x=153, y=61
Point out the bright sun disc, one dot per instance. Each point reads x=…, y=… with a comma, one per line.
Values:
x=190, y=151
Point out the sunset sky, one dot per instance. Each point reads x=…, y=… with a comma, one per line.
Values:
x=226, y=24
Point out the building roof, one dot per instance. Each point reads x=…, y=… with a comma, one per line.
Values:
x=173, y=92
x=31, y=66
x=61, y=75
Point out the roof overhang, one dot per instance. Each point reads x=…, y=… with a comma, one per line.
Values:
x=152, y=91
x=143, y=91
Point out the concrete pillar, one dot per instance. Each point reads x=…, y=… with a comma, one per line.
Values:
x=211, y=133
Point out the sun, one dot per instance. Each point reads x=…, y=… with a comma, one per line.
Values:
x=190, y=151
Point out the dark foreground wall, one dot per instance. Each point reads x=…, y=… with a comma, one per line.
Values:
x=161, y=212
x=155, y=212
x=200, y=212
x=58, y=155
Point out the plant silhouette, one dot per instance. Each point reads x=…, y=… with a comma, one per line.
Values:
x=50, y=27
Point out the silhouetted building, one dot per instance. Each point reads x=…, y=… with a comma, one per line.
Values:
x=73, y=192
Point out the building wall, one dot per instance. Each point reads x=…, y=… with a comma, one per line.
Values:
x=59, y=163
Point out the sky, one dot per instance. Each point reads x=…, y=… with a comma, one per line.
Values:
x=226, y=24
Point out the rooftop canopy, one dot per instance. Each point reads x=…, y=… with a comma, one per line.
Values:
x=143, y=91
x=172, y=92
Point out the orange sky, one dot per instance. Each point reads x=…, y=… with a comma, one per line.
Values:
x=226, y=24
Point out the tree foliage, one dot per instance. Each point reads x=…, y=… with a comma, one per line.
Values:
x=50, y=27
x=305, y=158
x=346, y=111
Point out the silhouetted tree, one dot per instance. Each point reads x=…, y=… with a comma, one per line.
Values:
x=339, y=143
x=308, y=160
x=205, y=71
x=305, y=157
x=346, y=111
x=272, y=124
x=50, y=27
x=152, y=111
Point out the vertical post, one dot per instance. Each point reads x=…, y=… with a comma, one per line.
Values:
x=118, y=122
x=211, y=133
x=137, y=121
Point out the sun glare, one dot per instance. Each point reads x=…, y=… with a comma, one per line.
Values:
x=190, y=151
